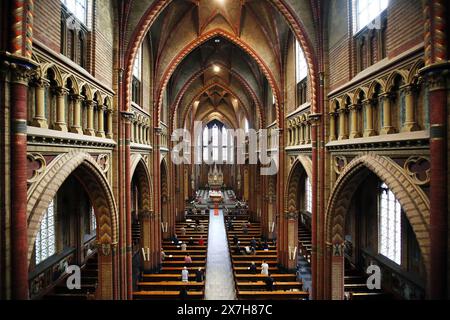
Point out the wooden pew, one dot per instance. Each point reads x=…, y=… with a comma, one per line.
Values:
x=166, y=295
x=259, y=277
x=170, y=286
x=260, y=285
x=273, y=295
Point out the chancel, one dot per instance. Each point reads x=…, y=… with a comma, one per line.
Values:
x=224, y=150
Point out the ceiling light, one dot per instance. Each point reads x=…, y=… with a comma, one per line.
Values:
x=220, y=1
x=217, y=41
x=216, y=69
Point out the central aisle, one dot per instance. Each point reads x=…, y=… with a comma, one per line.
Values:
x=219, y=282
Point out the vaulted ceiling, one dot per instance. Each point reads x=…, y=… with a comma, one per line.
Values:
x=217, y=59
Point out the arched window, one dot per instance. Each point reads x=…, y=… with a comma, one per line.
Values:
x=308, y=195
x=220, y=142
x=367, y=11
x=389, y=215
x=137, y=73
x=301, y=68
x=301, y=74
x=78, y=8
x=93, y=221
x=45, y=241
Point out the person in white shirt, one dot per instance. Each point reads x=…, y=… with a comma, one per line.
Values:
x=183, y=246
x=183, y=231
x=185, y=275
x=265, y=268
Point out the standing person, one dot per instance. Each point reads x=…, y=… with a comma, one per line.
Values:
x=163, y=255
x=265, y=268
x=185, y=275
x=199, y=275
x=183, y=293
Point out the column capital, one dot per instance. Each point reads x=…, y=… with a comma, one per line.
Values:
x=61, y=91
x=354, y=107
x=22, y=70
x=128, y=116
x=41, y=82
x=315, y=119
x=436, y=76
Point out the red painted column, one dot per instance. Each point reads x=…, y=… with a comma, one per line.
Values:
x=437, y=282
x=127, y=183
x=436, y=74
x=19, y=235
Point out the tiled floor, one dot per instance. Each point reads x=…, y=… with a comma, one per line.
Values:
x=219, y=274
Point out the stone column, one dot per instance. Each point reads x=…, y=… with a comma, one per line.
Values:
x=61, y=124
x=302, y=136
x=332, y=126
x=110, y=133
x=387, y=121
x=368, y=108
x=410, y=121
x=354, y=131
x=101, y=121
x=342, y=124
x=308, y=132
x=76, y=123
x=39, y=119
x=90, y=118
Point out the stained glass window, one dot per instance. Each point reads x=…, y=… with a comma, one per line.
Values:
x=45, y=240
x=389, y=225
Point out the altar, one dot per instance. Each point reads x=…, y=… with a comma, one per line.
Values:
x=216, y=196
x=215, y=178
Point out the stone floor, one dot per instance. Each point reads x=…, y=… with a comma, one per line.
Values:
x=219, y=283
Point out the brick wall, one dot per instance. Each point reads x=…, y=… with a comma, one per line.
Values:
x=47, y=26
x=47, y=30
x=404, y=26
x=404, y=31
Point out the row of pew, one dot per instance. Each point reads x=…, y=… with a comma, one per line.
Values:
x=252, y=286
x=167, y=284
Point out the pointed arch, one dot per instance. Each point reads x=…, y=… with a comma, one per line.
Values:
x=85, y=168
x=411, y=197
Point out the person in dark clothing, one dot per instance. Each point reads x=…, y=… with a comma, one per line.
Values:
x=253, y=242
x=199, y=275
x=269, y=283
x=183, y=293
x=175, y=239
x=191, y=241
x=252, y=268
x=238, y=249
x=265, y=246
x=235, y=239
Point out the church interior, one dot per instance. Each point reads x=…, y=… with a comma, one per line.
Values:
x=224, y=150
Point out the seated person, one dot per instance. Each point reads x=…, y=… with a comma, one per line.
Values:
x=183, y=231
x=185, y=275
x=187, y=259
x=269, y=283
x=252, y=268
x=250, y=250
x=175, y=239
x=265, y=268
x=201, y=228
x=191, y=241
x=253, y=242
x=265, y=246
x=183, y=246
x=201, y=241
x=199, y=275
x=245, y=229
x=237, y=249
x=163, y=255
x=235, y=239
